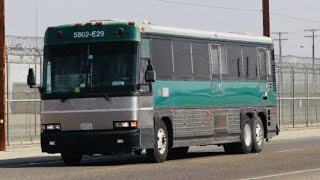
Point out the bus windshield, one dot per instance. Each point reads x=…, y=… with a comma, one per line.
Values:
x=100, y=67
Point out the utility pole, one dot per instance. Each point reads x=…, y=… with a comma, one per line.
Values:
x=314, y=77
x=280, y=39
x=3, y=142
x=313, y=36
x=266, y=18
x=280, y=75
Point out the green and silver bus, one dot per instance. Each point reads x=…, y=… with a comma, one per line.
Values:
x=112, y=87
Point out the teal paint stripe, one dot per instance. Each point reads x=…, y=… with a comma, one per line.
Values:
x=201, y=94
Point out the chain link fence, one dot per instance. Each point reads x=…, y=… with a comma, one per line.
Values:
x=23, y=103
x=297, y=79
x=298, y=82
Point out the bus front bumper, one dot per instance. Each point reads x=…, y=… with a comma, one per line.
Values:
x=90, y=142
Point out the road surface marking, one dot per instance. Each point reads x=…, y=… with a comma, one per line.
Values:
x=290, y=150
x=284, y=174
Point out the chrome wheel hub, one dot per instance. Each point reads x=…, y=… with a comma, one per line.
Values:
x=259, y=134
x=162, y=141
x=247, y=135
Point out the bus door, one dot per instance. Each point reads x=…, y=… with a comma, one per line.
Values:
x=265, y=85
x=215, y=61
x=217, y=69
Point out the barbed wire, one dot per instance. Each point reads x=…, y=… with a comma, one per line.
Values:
x=24, y=42
x=24, y=50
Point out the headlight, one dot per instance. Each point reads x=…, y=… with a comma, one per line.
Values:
x=50, y=127
x=125, y=124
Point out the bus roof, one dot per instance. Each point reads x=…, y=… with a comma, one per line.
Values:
x=110, y=27
x=241, y=37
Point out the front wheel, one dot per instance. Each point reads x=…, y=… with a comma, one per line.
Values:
x=160, y=151
x=257, y=135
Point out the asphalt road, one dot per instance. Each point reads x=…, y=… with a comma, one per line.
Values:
x=289, y=159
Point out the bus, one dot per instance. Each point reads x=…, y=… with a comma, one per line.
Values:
x=116, y=87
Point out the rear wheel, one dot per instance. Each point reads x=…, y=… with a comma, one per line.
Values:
x=71, y=158
x=257, y=135
x=160, y=151
x=245, y=145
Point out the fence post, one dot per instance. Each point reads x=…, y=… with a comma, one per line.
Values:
x=293, y=99
x=279, y=97
x=307, y=110
x=315, y=91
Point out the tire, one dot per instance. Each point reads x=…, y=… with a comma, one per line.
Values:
x=257, y=135
x=180, y=151
x=161, y=145
x=246, y=137
x=245, y=146
x=71, y=159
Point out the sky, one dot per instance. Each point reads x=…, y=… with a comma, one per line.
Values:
x=292, y=16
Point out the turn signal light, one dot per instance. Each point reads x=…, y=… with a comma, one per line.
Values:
x=98, y=23
x=125, y=124
x=78, y=24
x=134, y=124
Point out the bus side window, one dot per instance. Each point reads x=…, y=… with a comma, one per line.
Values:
x=182, y=60
x=269, y=66
x=145, y=48
x=234, y=61
x=250, y=62
x=145, y=56
x=223, y=63
x=262, y=63
x=200, y=57
x=161, y=58
x=215, y=60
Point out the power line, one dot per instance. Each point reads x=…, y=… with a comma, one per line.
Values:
x=239, y=9
x=296, y=18
x=209, y=6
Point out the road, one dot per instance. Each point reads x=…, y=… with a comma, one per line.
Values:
x=286, y=159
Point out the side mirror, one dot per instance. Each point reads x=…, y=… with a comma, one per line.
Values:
x=150, y=74
x=31, y=78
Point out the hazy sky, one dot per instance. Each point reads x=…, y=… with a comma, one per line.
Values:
x=291, y=16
